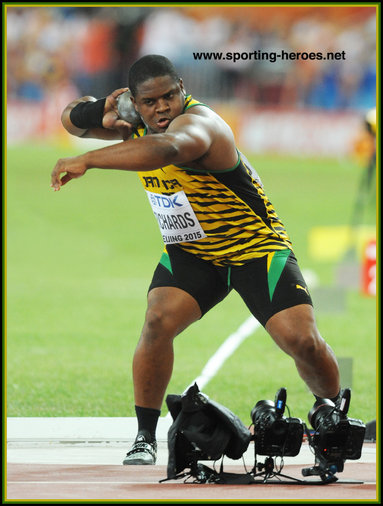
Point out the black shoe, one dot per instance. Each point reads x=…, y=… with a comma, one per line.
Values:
x=142, y=453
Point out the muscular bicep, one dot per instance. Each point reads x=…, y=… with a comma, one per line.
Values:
x=191, y=136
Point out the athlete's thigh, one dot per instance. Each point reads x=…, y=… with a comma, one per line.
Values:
x=200, y=279
x=271, y=284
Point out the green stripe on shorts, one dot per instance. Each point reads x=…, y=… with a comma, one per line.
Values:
x=165, y=261
x=277, y=265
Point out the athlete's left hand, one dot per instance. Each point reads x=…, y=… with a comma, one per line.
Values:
x=72, y=168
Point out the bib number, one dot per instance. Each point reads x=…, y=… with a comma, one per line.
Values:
x=175, y=217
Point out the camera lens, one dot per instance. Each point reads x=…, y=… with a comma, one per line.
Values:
x=261, y=409
x=321, y=409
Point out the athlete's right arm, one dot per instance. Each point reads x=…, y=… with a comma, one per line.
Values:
x=113, y=128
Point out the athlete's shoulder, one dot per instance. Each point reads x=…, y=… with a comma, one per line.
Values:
x=191, y=102
x=193, y=106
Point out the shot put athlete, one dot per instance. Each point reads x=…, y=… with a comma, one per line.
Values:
x=219, y=229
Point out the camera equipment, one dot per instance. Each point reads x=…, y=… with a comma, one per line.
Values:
x=274, y=434
x=204, y=430
x=336, y=437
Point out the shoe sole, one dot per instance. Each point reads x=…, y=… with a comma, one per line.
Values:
x=137, y=462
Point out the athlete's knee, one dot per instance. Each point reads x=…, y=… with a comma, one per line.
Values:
x=158, y=324
x=307, y=346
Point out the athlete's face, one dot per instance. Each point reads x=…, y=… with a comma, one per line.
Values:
x=159, y=100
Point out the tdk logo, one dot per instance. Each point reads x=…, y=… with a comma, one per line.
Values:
x=165, y=202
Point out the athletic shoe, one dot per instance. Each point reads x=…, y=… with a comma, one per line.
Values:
x=142, y=453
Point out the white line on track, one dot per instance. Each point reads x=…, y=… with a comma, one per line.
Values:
x=226, y=349
x=89, y=482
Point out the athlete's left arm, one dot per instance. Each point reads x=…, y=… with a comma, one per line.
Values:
x=188, y=138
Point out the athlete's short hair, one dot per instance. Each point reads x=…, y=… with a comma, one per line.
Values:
x=147, y=67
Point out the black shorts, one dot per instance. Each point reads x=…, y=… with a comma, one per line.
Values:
x=267, y=285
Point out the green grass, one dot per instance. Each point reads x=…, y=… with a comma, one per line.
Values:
x=79, y=262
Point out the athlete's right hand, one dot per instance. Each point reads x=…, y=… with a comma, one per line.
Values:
x=111, y=119
x=73, y=167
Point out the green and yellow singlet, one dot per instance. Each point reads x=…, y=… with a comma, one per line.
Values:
x=223, y=217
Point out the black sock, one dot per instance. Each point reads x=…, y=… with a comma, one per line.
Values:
x=333, y=399
x=147, y=419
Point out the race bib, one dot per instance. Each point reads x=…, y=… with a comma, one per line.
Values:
x=175, y=217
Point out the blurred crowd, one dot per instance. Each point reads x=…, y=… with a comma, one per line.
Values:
x=90, y=49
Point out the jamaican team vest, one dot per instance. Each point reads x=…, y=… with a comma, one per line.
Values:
x=223, y=217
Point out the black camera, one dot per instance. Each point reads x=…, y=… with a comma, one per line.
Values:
x=274, y=434
x=336, y=437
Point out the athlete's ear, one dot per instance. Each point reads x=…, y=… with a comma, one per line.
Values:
x=134, y=103
x=181, y=83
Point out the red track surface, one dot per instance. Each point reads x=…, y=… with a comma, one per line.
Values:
x=141, y=483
